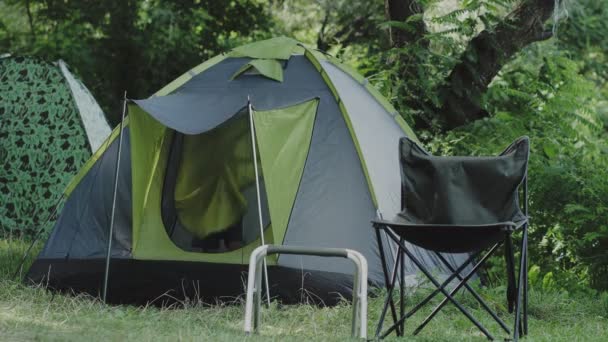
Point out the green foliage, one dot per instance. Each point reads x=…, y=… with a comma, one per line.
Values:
x=543, y=94
x=555, y=92
x=133, y=45
x=584, y=35
x=412, y=75
x=344, y=28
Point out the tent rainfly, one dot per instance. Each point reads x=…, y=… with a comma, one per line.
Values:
x=191, y=205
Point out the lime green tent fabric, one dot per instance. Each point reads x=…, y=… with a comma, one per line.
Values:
x=275, y=48
x=270, y=68
x=283, y=136
x=214, y=168
x=150, y=142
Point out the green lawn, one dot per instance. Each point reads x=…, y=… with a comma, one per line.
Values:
x=35, y=314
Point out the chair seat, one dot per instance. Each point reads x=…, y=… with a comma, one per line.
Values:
x=449, y=238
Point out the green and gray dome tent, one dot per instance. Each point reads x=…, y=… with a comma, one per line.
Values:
x=49, y=124
x=187, y=211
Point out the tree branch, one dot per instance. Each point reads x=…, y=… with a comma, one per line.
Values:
x=322, y=43
x=485, y=55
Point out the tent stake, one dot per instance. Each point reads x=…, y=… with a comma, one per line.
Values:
x=111, y=233
x=257, y=188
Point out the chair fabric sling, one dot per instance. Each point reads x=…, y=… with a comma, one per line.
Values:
x=458, y=205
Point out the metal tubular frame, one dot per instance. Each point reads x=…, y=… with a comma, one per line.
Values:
x=474, y=294
x=525, y=249
x=387, y=282
x=520, y=326
x=398, y=324
x=254, y=283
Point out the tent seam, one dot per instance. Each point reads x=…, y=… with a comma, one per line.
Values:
x=303, y=168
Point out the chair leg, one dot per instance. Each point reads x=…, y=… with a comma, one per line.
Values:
x=389, y=302
x=511, y=278
x=462, y=283
x=388, y=284
x=445, y=293
x=402, y=291
x=525, y=247
x=428, y=298
x=520, y=285
x=476, y=296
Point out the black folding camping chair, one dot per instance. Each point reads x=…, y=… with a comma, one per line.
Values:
x=458, y=205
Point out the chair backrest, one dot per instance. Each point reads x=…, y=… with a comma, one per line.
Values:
x=462, y=190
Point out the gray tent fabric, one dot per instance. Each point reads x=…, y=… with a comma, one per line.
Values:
x=380, y=151
x=368, y=117
x=211, y=98
x=333, y=199
x=194, y=113
x=93, y=118
x=82, y=229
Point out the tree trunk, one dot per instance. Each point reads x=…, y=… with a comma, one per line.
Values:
x=322, y=43
x=401, y=10
x=30, y=19
x=122, y=54
x=485, y=55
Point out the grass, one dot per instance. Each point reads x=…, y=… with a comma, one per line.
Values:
x=28, y=313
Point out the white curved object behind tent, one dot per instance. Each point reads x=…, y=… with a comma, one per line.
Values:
x=93, y=118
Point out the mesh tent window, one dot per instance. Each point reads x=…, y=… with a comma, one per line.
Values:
x=209, y=195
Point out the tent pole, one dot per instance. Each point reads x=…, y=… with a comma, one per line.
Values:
x=111, y=233
x=257, y=188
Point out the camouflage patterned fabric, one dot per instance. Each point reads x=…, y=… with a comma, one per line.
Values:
x=42, y=142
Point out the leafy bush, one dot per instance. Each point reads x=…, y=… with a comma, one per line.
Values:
x=556, y=93
x=543, y=94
